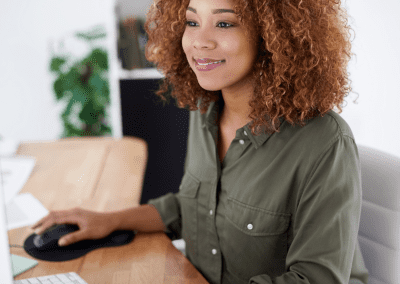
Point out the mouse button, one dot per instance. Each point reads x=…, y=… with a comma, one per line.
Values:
x=60, y=231
x=46, y=236
x=38, y=241
x=51, y=229
x=67, y=228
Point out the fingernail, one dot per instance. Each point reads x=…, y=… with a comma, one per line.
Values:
x=61, y=242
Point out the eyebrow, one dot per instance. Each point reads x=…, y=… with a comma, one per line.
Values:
x=215, y=11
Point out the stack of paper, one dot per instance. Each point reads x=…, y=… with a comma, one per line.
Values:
x=21, y=209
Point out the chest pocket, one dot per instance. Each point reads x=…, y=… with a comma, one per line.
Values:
x=255, y=240
x=189, y=186
x=255, y=221
x=188, y=201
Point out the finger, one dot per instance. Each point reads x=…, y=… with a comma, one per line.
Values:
x=54, y=218
x=39, y=228
x=49, y=217
x=72, y=238
x=44, y=227
x=39, y=223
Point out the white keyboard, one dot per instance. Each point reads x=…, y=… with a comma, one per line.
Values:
x=62, y=278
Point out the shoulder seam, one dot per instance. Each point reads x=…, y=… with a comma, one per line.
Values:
x=322, y=154
x=339, y=126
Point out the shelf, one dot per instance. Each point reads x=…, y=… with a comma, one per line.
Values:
x=143, y=73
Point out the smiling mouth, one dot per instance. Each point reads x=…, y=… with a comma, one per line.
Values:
x=209, y=63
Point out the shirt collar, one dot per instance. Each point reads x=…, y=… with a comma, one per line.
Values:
x=211, y=118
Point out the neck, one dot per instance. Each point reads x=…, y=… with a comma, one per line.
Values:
x=236, y=108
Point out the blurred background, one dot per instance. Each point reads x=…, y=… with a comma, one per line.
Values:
x=77, y=68
x=100, y=43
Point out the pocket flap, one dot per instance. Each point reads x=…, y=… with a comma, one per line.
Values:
x=189, y=186
x=256, y=221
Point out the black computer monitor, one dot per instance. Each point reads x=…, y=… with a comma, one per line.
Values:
x=163, y=127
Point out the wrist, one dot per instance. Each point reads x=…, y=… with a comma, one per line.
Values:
x=114, y=220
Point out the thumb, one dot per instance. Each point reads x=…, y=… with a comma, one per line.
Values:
x=71, y=238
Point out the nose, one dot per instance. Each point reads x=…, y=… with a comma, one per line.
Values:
x=204, y=39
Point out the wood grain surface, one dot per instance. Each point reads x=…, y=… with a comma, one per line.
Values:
x=100, y=174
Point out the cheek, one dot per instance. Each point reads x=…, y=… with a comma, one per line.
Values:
x=233, y=46
x=225, y=44
x=186, y=43
x=249, y=51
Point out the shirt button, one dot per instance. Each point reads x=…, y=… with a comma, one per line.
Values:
x=211, y=212
x=241, y=141
x=245, y=133
x=214, y=251
x=250, y=226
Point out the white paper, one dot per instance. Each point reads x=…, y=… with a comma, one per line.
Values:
x=5, y=261
x=24, y=210
x=8, y=147
x=180, y=245
x=15, y=172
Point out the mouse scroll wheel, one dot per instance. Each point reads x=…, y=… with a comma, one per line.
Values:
x=37, y=241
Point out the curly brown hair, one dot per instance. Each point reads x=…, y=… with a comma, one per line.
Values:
x=300, y=71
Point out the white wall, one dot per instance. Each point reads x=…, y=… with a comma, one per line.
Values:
x=27, y=105
x=28, y=33
x=375, y=72
x=129, y=8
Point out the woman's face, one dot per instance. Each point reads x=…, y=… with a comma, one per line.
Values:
x=216, y=45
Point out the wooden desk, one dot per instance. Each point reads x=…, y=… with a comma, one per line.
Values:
x=100, y=174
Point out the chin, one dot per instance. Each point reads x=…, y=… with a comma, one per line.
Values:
x=210, y=88
x=209, y=85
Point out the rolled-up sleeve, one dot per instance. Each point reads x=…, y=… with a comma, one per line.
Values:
x=168, y=206
x=326, y=222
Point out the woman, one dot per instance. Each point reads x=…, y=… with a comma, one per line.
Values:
x=271, y=191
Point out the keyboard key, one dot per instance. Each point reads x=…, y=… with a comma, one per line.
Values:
x=62, y=278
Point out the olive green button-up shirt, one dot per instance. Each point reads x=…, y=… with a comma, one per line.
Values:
x=281, y=208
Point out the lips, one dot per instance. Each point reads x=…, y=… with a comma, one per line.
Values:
x=208, y=65
x=207, y=60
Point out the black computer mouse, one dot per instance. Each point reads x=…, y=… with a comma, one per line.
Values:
x=49, y=239
x=45, y=246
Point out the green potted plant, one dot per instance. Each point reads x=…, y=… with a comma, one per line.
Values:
x=83, y=84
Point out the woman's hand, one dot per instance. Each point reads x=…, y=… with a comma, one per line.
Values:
x=92, y=225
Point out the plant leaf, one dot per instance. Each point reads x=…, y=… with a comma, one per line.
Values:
x=90, y=114
x=67, y=110
x=80, y=94
x=95, y=33
x=59, y=87
x=72, y=78
x=56, y=63
x=99, y=58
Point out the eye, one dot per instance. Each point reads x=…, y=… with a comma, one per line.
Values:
x=191, y=24
x=225, y=25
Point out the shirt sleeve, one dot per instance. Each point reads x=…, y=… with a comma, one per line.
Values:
x=326, y=221
x=168, y=206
